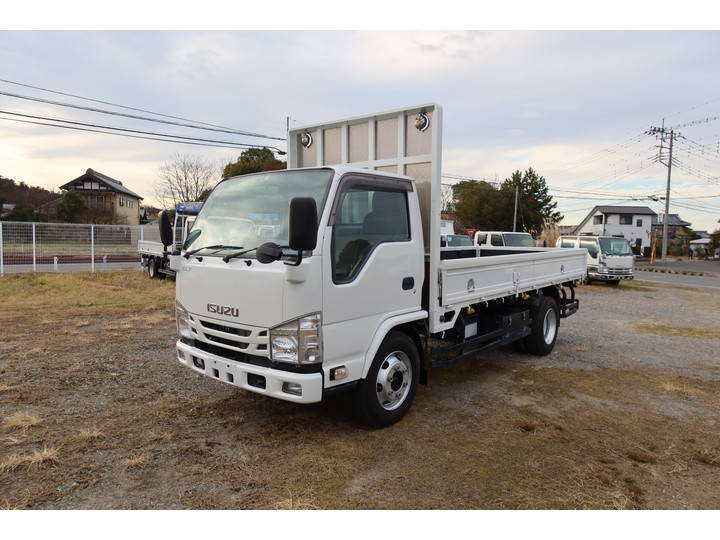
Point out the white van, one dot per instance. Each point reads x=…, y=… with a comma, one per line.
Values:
x=504, y=239
x=609, y=258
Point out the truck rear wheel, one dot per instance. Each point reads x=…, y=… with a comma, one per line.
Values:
x=545, y=325
x=154, y=268
x=386, y=394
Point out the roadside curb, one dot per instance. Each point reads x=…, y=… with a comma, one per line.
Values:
x=682, y=272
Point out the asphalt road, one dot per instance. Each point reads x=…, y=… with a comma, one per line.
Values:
x=678, y=279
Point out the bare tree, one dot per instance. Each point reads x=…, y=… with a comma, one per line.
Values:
x=447, y=198
x=184, y=178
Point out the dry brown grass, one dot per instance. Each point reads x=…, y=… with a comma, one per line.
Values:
x=154, y=436
x=21, y=420
x=708, y=457
x=8, y=387
x=38, y=457
x=295, y=503
x=90, y=434
x=662, y=329
x=641, y=455
x=134, y=462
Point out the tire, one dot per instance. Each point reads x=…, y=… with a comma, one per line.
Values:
x=613, y=282
x=387, y=392
x=544, y=329
x=154, y=268
x=151, y=269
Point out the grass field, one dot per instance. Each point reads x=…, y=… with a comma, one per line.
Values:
x=95, y=412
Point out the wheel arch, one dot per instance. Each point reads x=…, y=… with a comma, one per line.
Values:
x=405, y=323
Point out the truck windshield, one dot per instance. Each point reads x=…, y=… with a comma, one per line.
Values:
x=251, y=210
x=518, y=239
x=615, y=246
x=458, y=240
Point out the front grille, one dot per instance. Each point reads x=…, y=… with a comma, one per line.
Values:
x=237, y=356
x=227, y=329
x=228, y=342
x=620, y=270
x=261, y=361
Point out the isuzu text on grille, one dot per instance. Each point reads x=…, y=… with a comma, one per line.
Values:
x=223, y=310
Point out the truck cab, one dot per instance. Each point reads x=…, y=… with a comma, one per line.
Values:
x=503, y=239
x=609, y=258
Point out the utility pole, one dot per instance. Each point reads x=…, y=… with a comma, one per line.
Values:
x=662, y=132
x=517, y=190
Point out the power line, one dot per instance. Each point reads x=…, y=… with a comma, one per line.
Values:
x=136, y=117
x=696, y=122
x=230, y=144
x=113, y=133
x=114, y=104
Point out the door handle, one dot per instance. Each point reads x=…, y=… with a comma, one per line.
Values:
x=408, y=283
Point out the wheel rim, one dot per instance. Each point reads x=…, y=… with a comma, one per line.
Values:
x=392, y=384
x=549, y=326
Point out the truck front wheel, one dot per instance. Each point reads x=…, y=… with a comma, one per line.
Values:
x=544, y=330
x=386, y=394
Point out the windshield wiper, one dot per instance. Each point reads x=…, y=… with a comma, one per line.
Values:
x=229, y=256
x=266, y=253
x=218, y=246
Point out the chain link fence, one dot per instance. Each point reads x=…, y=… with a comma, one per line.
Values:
x=69, y=247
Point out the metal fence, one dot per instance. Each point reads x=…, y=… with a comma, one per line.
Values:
x=68, y=247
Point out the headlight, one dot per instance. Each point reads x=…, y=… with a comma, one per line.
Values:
x=183, y=321
x=603, y=270
x=297, y=341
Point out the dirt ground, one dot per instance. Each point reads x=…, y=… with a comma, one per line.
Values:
x=95, y=412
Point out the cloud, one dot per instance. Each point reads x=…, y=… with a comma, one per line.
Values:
x=511, y=99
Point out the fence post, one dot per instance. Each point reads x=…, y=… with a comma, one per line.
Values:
x=92, y=248
x=34, y=259
x=2, y=268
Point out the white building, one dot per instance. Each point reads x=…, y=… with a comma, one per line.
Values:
x=634, y=223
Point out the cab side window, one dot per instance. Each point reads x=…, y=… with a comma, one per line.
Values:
x=567, y=243
x=481, y=238
x=366, y=218
x=496, y=240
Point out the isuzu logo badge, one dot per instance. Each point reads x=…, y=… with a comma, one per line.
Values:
x=223, y=310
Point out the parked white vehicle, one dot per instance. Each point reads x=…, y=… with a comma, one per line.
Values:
x=158, y=258
x=609, y=258
x=500, y=239
x=342, y=283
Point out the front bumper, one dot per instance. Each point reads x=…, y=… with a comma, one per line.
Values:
x=261, y=380
x=609, y=277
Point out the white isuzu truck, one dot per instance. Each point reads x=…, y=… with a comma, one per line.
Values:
x=609, y=258
x=329, y=276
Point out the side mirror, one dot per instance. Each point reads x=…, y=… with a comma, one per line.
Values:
x=303, y=224
x=166, y=230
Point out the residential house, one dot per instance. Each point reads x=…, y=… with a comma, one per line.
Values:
x=676, y=226
x=634, y=223
x=106, y=199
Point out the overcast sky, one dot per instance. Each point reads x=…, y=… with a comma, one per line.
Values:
x=556, y=101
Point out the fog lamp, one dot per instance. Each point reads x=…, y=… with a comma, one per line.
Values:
x=292, y=388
